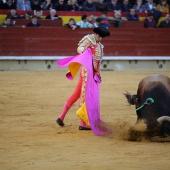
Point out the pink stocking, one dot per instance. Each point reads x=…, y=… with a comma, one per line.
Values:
x=83, y=124
x=72, y=99
x=64, y=111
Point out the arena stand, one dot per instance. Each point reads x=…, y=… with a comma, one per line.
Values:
x=76, y=15
x=131, y=47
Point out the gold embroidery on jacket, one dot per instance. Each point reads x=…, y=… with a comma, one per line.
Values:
x=83, y=88
x=89, y=42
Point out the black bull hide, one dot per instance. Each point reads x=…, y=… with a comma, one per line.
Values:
x=153, y=103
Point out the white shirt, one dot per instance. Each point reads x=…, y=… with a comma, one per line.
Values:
x=83, y=24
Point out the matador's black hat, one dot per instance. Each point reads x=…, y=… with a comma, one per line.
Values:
x=101, y=31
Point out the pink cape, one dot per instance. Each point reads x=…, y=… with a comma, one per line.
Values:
x=92, y=91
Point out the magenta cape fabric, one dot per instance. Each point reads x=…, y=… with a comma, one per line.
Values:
x=92, y=91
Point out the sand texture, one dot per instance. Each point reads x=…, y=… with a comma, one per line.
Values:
x=30, y=139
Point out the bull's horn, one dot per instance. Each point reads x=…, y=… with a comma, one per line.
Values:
x=163, y=118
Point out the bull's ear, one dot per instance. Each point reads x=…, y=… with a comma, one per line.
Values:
x=127, y=95
x=132, y=99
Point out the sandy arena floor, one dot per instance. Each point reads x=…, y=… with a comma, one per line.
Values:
x=30, y=139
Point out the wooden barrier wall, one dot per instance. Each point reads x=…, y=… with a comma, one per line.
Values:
x=59, y=41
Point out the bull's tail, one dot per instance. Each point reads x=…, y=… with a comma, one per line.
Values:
x=132, y=99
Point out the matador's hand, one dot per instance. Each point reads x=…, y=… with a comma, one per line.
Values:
x=97, y=78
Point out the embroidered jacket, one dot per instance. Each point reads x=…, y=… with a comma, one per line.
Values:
x=89, y=41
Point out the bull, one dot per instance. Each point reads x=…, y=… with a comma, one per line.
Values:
x=152, y=103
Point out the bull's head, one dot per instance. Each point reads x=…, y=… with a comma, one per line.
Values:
x=150, y=113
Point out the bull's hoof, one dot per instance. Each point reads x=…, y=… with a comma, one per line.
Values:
x=135, y=135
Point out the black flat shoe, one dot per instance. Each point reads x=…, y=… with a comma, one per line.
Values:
x=84, y=128
x=60, y=122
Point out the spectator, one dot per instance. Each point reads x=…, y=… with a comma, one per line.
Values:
x=36, y=5
x=47, y=5
x=53, y=15
x=7, y=22
x=55, y=1
x=105, y=20
x=1, y=4
x=13, y=14
x=71, y=24
x=27, y=15
x=139, y=7
x=38, y=13
x=80, y=4
x=125, y=7
x=91, y=19
x=84, y=23
x=150, y=5
x=149, y=22
x=168, y=2
x=9, y=4
x=132, y=16
x=163, y=6
x=107, y=1
x=151, y=8
x=33, y=22
x=73, y=6
x=117, y=19
x=98, y=22
x=24, y=5
x=114, y=5
x=60, y=6
x=89, y=5
x=104, y=16
x=101, y=6
x=132, y=3
x=165, y=23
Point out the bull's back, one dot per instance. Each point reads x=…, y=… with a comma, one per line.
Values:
x=150, y=82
